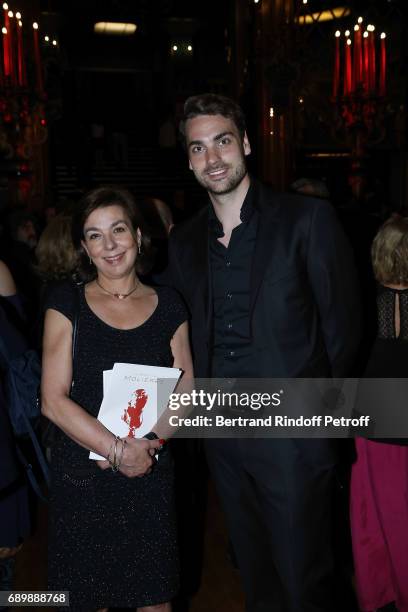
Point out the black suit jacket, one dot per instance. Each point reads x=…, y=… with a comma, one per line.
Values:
x=304, y=307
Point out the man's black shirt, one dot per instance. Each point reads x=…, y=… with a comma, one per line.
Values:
x=230, y=269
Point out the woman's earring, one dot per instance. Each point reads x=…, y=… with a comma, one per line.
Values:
x=90, y=261
x=139, y=248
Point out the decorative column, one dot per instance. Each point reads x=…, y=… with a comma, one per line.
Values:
x=274, y=77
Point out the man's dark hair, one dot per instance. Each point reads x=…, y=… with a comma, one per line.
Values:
x=101, y=198
x=211, y=104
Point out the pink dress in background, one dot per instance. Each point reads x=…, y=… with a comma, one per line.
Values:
x=379, y=479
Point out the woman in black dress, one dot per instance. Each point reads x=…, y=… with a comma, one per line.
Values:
x=379, y=477
x=112, y=533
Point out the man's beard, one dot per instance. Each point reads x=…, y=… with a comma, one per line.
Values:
x=225, y=186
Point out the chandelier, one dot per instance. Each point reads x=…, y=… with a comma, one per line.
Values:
x=359, y=92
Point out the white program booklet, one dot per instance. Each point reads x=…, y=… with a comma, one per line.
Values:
x=134, y=398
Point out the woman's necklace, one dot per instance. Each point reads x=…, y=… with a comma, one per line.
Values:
x=119, y=296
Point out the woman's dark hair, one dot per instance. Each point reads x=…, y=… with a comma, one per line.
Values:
x=101, y=198
x=211, y=104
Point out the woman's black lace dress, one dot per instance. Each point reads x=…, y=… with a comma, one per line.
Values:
x=379, y=476
x=112, y=540
x=390, y=352
x=385, y=400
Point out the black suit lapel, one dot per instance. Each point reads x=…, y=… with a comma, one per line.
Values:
x=268, y=227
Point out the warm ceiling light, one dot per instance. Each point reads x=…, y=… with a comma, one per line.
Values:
x=18, y=15
x=35, y=25
x=54, y=42
x=383, y=35
x=189, y=48
x=337, y=34
x=10, y=14
x=347, y=33
x=328, y=155
x=336, y=13
x=47, y=38
x=5, y=6
x=4, y=30
x=360, y=20
x=115, y=27
x=174, y=47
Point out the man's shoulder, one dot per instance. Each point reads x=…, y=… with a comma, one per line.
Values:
x=287, y=205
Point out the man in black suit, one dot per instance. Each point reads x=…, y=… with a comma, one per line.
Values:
x=269, y=282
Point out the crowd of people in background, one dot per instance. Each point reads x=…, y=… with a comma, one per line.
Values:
x=39, y=258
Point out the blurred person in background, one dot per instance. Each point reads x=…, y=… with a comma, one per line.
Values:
x=378, y=495
x=19, y=255
x=165, y=214
x=14, y=509
x=311, y=187
x=57, y=261
x=159, y=222
x=56, y=256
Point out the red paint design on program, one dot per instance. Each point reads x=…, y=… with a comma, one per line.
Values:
x=133, y=413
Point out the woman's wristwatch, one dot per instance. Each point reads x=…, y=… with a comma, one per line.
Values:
x=151, y=436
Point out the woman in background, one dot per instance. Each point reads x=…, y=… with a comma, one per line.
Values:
x=56, y=255
x=379, y=482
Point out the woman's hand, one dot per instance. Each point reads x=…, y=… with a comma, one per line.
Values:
x=137, y=459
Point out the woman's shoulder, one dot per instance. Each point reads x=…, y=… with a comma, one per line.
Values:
x=169, y=296
x=61, y=296
x=7, y=284
x=172, y=304
x=61, y=289
x=391, y=288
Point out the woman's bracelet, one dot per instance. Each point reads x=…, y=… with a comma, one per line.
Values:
x=116, y=461
x=110, y=451
x=123, y=444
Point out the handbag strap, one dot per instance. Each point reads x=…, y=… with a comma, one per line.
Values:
x=75, y=326
x=75, y=321
x=4, y=354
